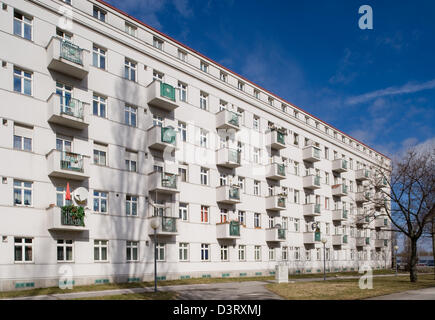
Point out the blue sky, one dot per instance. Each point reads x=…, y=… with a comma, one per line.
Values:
x=376, y=85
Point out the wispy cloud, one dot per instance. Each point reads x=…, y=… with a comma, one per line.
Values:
x=183, y=8
x=391, y=91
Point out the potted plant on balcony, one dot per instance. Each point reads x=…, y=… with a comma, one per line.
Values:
x=76, y=213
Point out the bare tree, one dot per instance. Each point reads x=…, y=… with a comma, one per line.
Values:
x=404, y=191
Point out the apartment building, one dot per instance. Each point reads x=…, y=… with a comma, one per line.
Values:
x=115, y=137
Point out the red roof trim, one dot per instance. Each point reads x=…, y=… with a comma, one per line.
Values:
x=223, y=67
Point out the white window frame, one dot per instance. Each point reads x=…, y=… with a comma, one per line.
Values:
x=101, y=245
x=23, y=245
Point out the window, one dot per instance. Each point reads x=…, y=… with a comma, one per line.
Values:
x=224, y=253
x=224, y=215
x=296, y=196
x=284, y=253
x=99, y=14
x=65, y=250
x=295, y=139
x=131, y=205
x=183, y=211
x=157, y=120
x=158, y=76
x=256, y=188
x=256, y=123
x=60, y=197
x=130, y=29
x=132, y=252
x=160, y=249
x=63, y=35
x=99, y=57
x=100, y=154
x=222, y=105
x=203, y=100
x=100, y=201
x=223, y=77
x=204, y=176
x=22, y=193
x=257, y=220
x=257, y=94
x=183, y=91
x=242, y=253
x=130, y=70
x=318, y=255
x=241, y=86
x=241, y=217
x=205, y=252
x=270, y=100
x=23, y=25
x=271, y=254
x=296, y=168
x=99, y=106
x=182, y=172
x=204, y=214
x=296, y=224
x=242, y=184
x=131, y=161
x=182, y=128
x=297, y=253
x=158, y=43
x=326, y=177
x=256, y=155
x=22, y=81
x=223, y=179
x=130, y=115
x=285, y=223
x=23, y=137
x=182, y=55
x=257, y=253
x=23, y=249
x=100, y=250
x=204, y=66
x=203, y=138
x=326, y=153
x=183, y=252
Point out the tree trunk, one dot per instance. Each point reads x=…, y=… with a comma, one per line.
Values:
x=413, y=260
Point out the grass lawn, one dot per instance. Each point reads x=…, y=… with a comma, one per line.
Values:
x=333, y=274
x=348, y=289
x=137, y=296
x=110, y=286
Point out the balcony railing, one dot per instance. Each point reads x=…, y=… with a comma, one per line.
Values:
x=168, y=135
x=71, y=52
x=344, y=238
x=317, y=208
x=281, y=202
x=71, y=161
x=72, y=216
x=234, y=229
x=281, y=234
x=234, y=193
x=167, y=91
x=71, y=107
x=169, y=180
x=234, y=156
x=169, y=224
x=280, y=137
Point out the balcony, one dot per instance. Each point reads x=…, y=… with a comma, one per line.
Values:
x=311, y=154
x=311, y=182
x=167, y=226
x=67, y=58
x=362, y=219
x=70, y=112
x=67, y=165
x=275, y=139
x=162, y=95
x=339, y=215
x=362, y=174
x=163, y=182
x=339, y=165
x=379, y=200
x=381, y=182
x=228, y=230
x=339, y=240
x=276, y=203
x=339, y=190
x=381, y=222
x=276, y=235
x=226, y=119
x=275, y=171
x=162, y=138
x=362, y=241
x=312, y=209
x=312, y=237
x=63, y=219
x=228, y=194
x=227, y=157
x=381, y=243
x=362, y=196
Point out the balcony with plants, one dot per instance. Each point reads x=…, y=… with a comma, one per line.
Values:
x=67, y=111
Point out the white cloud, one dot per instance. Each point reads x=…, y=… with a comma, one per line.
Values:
x=183, y=8
x=391, y=91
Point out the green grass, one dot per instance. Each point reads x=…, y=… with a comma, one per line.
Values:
x=168, y=295
x=348, y=289
x=111, y=286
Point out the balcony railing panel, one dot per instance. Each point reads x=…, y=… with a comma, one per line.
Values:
x=167, y=91
x=71, y=161
x=71, y=52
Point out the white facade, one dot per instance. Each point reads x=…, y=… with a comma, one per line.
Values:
x=101, y=138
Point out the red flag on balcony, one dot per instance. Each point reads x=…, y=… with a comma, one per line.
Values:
x=68, y=193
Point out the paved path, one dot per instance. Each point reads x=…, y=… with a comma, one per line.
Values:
x=421, y=294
